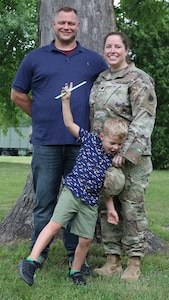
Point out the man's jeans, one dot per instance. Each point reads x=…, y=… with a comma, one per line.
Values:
x=49, y=165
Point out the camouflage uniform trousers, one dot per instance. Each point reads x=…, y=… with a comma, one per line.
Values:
x=128, y=237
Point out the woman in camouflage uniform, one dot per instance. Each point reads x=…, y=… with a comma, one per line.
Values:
x=128, y=92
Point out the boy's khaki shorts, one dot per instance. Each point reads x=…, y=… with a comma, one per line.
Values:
x=84, y=216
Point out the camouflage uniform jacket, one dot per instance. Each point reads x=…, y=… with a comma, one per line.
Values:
x=130, y=94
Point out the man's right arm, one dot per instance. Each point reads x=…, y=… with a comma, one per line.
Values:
x=22, y=100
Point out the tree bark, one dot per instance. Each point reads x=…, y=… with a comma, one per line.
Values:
x=97, y=19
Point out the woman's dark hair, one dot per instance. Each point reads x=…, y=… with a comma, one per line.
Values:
x=124, y=39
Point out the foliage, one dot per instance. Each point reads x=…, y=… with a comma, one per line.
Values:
x=147, y=25
x=18, y=34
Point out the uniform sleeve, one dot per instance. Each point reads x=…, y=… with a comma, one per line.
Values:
x=143, y=105
x=92, y=100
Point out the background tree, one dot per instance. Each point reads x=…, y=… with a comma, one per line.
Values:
x=96, y=17
x=146, y=22
x=18, y=35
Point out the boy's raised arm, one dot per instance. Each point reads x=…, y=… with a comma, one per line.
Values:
x=67, y=114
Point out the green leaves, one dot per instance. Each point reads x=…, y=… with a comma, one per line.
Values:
x=18, y=35
x=147, y=25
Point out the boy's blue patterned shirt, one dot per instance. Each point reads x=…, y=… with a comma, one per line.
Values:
x=86, y=179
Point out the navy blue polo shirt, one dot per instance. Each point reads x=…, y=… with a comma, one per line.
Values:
x=44, y=72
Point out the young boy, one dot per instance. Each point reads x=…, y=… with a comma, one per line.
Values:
x=79, y=197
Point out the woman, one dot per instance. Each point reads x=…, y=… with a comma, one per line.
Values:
x=128, y=92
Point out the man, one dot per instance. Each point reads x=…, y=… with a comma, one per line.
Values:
x=43, y=72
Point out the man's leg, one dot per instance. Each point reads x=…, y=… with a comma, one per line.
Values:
x=47, y=169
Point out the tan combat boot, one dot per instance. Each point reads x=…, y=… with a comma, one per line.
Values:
x=111, y=267
x=132, y=272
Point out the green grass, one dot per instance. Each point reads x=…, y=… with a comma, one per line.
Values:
x=51, y=282
x=157, y=204
x=13, y=173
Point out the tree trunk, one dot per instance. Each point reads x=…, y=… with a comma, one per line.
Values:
x=97, y=19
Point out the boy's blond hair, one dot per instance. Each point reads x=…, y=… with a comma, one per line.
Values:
x=115, y=126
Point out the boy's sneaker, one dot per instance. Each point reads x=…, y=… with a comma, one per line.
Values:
x=27, y=269
x=78, y=278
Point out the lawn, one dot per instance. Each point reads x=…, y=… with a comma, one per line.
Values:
x=13, y=173
x=51, y=282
